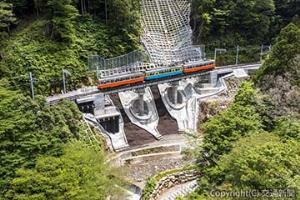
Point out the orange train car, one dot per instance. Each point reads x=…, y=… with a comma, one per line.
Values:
x=121, y=80
x=196, y=67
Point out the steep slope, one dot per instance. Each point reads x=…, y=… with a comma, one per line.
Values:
x=30, y=49
x=280, y=76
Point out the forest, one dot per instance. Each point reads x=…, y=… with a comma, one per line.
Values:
x=37, y=35
x=253, y=144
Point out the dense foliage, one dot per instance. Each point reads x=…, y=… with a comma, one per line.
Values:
x=259, y=161
x=78, y=174
x=283, y=58
x=249, y=146
x=29, y=129
x=60, y=38
x=231, y=23
x=6, y=19
x=36, y=157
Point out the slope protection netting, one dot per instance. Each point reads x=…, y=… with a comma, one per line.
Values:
x=167, y=35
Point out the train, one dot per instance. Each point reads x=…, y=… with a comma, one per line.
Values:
x=152, y=74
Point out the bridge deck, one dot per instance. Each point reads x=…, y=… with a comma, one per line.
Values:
x=93, y=90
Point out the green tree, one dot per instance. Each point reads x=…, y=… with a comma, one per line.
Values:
x=253, y=18
x=286, y=10
x=233, y=22
x=201, y=17
x=81, y=173
x=124, y=17
x=288, y=128
x=62, y=14
x=29, y=129
x=221, y=131
x=7, y=17
x=284, y=53
x=259, y=161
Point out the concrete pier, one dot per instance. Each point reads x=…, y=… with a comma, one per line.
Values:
x=180, y=103
x=107, y=118
x=141, y=109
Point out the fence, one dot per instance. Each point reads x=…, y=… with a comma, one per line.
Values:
x=246, y=54
x=97, y=63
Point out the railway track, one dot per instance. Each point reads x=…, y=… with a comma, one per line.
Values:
x=73, y=95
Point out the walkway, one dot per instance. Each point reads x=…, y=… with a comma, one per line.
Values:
x=179, y=191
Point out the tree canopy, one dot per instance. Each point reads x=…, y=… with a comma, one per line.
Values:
x=29, y=129
x=283, y=57
x=80, y=173
x=249, y=146
x=260, y=161
x=44, y=153
x=231, y=23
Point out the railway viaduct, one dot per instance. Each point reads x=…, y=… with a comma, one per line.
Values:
x=167, y=40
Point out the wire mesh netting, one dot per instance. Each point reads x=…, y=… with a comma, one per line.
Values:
x=167, y=35
x=96, y=63
x=167, y=38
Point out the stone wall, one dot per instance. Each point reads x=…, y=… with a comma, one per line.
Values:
x=172, y=180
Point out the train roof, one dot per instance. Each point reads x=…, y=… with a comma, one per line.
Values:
x=199, y=62
x=162, y=68
x=122, y=76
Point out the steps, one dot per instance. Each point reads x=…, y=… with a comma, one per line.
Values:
x=179, y=191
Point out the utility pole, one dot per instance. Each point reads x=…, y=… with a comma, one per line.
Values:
x=261, y=53
x=31, y=84
x=64, y=81
x=64, y=73
x=237, y=55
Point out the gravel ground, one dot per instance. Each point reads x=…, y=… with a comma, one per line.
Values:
x=167, y=125
x=140, y=171
x=137, y=136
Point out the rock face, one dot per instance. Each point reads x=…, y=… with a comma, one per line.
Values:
x=284, y=93
x=214, y=106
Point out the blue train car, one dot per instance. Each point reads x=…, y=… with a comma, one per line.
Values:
x=163, y=73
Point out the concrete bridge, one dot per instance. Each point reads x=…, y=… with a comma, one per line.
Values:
x=180, y=96
x=167, y=38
